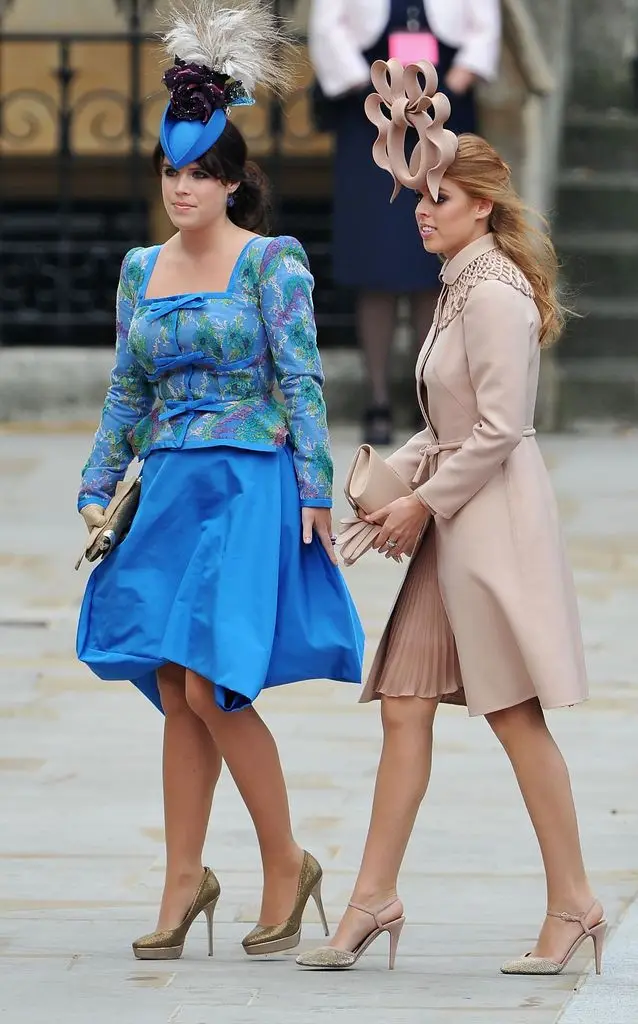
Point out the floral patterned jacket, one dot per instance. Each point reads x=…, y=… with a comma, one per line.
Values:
x=200, y=369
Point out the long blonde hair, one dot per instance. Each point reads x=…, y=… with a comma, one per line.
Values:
x=483, y=174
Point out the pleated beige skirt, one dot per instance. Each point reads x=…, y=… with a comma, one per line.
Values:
x=417, y=654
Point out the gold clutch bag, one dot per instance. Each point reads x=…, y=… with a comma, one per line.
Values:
x=118, y=517
x=370, y=485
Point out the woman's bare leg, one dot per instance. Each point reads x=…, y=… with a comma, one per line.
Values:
x=191, y=768
x=250, y=752
x=543, y=779
x=402, y=780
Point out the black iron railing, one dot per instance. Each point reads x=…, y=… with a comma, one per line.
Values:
x=62, y=238
x=76, y=188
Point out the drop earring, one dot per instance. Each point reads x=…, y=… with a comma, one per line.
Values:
x=231, y=200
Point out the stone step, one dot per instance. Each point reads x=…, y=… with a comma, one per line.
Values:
x=600, y=141
x=591, y=199
x=69, y=384
x=599, y=264
x=597, y=389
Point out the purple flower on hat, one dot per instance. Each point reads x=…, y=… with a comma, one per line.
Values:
x=196, y=92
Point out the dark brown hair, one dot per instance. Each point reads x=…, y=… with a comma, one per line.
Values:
x=228, y=162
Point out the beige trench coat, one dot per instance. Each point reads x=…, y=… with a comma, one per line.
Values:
x=502, y=571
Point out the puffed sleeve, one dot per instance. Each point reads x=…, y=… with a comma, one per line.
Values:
x=128, y=399
x=480, y=49
x=338, y=63
x=285, y=291
x=498, y=327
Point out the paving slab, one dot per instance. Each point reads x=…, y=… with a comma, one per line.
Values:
x=614, y=996
x=81, y=841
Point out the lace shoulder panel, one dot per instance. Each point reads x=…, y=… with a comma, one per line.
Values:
x=491, y=266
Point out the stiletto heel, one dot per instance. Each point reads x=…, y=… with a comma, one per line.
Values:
x=529, y=964
x=316, y=895
x=210, y=914
x=394, y=930
x=279, y=937
x=341, y=959
x=598, y=934
x=169, y=945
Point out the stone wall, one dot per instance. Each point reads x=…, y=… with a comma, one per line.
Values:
x=604, y=42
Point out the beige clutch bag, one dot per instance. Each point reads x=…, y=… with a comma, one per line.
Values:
x=118, y=517
x=370, y=485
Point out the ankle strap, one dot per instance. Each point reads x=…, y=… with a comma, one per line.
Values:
x=377, y=910
x=574, y=918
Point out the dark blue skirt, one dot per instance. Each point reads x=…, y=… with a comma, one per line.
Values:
x=214, y=576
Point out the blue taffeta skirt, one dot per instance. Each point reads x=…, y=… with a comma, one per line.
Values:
x=214, y=576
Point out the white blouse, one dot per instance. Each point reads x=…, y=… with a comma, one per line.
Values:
x=342, y=30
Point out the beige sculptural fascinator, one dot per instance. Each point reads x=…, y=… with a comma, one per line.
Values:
x=407, y=97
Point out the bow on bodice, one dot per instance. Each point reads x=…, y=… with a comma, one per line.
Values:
x=400, y=92
x=162, y=307
x=166, y=364
x=178, y=407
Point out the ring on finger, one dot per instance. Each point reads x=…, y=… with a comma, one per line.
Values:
x=392, y=543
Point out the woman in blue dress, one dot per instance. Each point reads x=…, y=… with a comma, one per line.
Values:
x=227, y=581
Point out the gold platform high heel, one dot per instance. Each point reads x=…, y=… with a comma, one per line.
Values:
x=529, y=964
x=279, y=937
x=169, y=945
x=330, y=958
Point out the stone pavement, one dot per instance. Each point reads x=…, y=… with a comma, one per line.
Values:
x=81, y=819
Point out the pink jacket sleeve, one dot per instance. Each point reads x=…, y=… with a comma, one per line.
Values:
x=497, y=327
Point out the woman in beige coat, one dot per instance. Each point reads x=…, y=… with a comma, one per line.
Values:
x=487, y=614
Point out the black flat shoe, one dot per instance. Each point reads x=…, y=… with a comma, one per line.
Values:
x=377, y=425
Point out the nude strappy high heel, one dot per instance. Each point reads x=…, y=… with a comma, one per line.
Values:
x=341, y=959
x=529, y=964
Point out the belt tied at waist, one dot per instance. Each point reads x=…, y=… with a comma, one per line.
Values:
x=173, y=407
x=165, y=365
x=430, y=451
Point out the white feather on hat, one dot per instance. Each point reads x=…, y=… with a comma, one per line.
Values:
x=239, y=38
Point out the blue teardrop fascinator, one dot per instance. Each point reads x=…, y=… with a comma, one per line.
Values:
x=221, y=51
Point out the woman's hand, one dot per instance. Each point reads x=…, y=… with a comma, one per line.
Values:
x=319, y=521
x=459, y=80
x=401, y=523
x=93, y=516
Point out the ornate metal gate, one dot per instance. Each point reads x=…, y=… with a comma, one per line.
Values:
x=78, y=119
